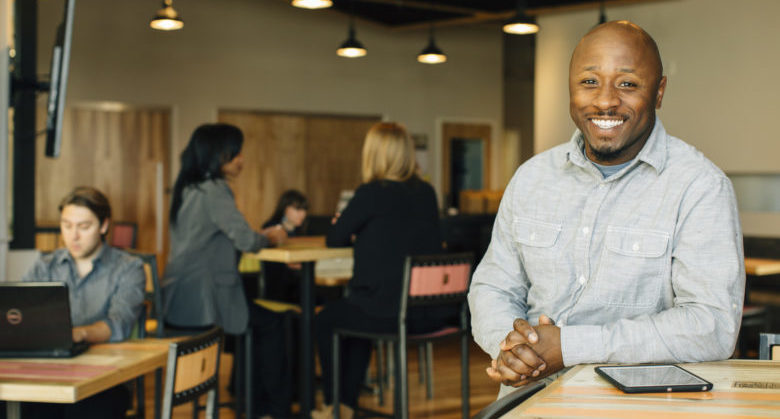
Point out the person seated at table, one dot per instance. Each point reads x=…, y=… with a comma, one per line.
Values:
x=392, y=214
x=281, y=281
x=106, y=288
x=202, y=286
x=622, y=245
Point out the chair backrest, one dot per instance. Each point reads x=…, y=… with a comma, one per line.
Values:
x=152, y=294
x=435, y=279
x=123, y=234
x=503, y=405
x=193, y=370
x=769, y=346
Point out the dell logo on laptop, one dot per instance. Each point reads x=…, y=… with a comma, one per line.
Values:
x=14, y=316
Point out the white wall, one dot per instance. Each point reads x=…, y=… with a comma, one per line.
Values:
x=267, y=55
x=720, y=57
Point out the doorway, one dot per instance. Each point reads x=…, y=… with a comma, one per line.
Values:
x=466, y=159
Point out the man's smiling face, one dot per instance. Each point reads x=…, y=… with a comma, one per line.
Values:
x=615, y=86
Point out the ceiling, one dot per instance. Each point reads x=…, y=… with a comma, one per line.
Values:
x=413, y=14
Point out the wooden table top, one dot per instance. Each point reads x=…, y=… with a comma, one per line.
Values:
x=762, y=267
x=741, y=388
x=301, y=249
x=68, y=380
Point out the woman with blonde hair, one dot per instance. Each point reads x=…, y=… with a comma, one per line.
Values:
x=392, y=214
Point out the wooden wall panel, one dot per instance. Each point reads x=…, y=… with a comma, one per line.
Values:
x=318, y=155
x=333, y=159
x=117, y=150
x=273, y=161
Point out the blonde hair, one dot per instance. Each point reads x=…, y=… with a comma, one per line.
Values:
x=388, y=153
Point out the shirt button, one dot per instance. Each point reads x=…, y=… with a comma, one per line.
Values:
x=560, y=323
x=582, y=279
x=585, y=230
x=734, y=306
x=635, y=247
x=532, y=237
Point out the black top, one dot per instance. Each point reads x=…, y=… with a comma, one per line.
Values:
x=390, y=220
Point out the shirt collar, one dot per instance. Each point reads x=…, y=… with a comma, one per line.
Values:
x=653, y=153
x=63, y=255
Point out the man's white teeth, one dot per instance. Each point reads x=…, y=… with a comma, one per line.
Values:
x=607, y=123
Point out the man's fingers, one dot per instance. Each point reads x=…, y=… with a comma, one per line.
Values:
x=525, y=329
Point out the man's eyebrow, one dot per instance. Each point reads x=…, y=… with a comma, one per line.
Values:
x=626, y=70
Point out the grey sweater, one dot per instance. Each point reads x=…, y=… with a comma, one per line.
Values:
x=202, y=286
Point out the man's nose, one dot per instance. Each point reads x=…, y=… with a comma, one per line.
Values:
x=607, y=98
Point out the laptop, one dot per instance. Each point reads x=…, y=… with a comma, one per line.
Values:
x=35, y=321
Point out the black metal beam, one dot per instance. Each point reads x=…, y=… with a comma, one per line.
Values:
x=25, y=87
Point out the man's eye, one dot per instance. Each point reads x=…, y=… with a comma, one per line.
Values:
x=589, y=81
x=627, y=84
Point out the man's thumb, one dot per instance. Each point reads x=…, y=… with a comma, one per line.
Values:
x=544, y=319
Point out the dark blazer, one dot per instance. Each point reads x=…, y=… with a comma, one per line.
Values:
x=390, y=220
x=202, y=285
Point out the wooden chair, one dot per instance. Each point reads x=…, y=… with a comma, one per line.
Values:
x=152, y=296
x=769, y=346
x=193, y=370
x=123, y=234
x=428, y=280
x=503, y=405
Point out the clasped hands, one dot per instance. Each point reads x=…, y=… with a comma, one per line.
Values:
x=528, y=353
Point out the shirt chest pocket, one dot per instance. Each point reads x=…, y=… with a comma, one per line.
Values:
x=632, y=268
x=536, y=243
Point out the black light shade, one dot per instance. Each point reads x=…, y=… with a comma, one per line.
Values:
x=166, y=19
x=431, y=54
x=351, y=48
x=521, y=24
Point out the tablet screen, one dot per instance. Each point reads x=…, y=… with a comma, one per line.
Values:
x=653, y=375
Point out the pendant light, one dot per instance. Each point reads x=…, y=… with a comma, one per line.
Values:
x=166, y=19
x=521, y=24
x=431, y=54
x=312, y=4
x=602, y=13
x=351, y=48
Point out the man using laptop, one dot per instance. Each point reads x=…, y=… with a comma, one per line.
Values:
x=106, y=290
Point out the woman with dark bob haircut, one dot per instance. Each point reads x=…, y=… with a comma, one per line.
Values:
x=202, y=286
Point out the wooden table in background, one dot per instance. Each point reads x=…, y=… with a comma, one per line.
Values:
x=762, y=267
x=741, y=388
x=306, y=251
x=69, y=380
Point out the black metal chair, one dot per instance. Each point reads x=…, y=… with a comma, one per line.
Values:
x=428, y=280
x=769, y=346
x=193, y=370
x=503, y=405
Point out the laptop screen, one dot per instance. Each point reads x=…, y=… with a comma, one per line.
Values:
x=34, y=316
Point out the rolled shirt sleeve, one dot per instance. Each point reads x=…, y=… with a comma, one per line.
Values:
x=126, y=303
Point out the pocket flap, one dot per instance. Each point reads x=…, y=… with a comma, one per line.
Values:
x=636, y=242
x=536, y=233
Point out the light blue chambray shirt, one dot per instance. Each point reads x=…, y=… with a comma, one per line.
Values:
x=643, y=266
x=112, y=292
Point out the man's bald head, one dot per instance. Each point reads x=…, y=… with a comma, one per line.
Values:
x=624, y=30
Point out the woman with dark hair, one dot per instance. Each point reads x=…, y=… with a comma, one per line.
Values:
x=281, y=281
x=202, y=286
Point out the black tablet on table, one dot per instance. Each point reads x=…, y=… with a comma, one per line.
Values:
x=653, y=378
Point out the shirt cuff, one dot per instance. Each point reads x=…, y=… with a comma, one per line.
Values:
x=582, y=345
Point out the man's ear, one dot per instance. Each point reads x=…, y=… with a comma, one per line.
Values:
x=104, y=227
x=659, y=96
